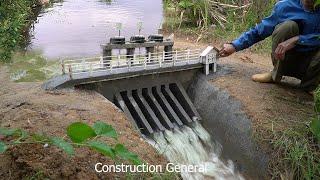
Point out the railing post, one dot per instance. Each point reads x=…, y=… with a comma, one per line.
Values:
x=90, y=69
x=63, y=67
x=175, y=58
x=145, y=63
x=163, y=56
x=118, y=59
x=129, y=63
x=101, y=62
x=188, y=56
x=70, y=71
x=83, y=64
x=130, y=54
x=149, y=56
x=149, y=50
x=106, y=56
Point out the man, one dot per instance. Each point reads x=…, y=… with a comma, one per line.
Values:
x=295, y=29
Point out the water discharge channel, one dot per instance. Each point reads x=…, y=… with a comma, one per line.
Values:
x=193, y=145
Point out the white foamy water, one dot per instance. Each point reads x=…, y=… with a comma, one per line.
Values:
x=194, y=146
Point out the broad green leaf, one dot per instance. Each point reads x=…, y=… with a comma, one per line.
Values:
x=63, y=145
x=124, y=153
x=80, y=132
x=7, y=132
x=3, y=147
x=102, y=148
x=104, y=129
x=315, y=128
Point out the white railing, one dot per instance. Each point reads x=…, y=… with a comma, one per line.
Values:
x=131, y=62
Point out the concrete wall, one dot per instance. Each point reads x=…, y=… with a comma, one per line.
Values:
x=109, y=88
x=222, y=117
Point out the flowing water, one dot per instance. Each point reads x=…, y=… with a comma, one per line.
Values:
x=76, y=28
x=194, y=146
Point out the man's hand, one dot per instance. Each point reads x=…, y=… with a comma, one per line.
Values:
x=227, y=50
x=285, y=46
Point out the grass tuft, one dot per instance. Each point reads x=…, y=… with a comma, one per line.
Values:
x=31, y=67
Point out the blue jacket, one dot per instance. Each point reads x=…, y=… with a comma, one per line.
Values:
x=309, y=26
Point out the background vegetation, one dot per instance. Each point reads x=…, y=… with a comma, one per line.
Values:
x=14, y=22
x=222, y=20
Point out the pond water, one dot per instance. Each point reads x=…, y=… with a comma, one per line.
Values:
x=76, y=28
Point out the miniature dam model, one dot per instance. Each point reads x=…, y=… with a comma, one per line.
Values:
x=164, y=92
x=151, y=108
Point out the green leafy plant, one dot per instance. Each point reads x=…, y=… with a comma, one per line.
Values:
x=316, y=3
x=80, y=134
x=13, y=22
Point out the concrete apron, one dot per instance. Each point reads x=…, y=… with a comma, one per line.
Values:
x=220, y=114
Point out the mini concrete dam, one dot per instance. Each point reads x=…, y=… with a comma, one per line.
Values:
x=167, y=97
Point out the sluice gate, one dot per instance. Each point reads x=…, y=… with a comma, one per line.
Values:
x=158, y=108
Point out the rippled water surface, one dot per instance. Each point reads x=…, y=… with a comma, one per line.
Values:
x=76, y=28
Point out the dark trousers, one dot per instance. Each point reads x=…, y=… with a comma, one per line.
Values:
x=302, y=65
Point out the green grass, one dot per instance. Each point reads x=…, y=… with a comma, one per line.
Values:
x=31, y=67
x=298, y=154
x=297, y=148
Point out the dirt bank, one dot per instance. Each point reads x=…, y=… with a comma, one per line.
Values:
x=272, y=108
x=27, y=106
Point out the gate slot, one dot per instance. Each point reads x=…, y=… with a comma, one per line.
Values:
x=166, y=106
x=175, y=104
x=157, y=109
x=147, y=111
x=121, y=104
x=183, y=98
x=136, y=113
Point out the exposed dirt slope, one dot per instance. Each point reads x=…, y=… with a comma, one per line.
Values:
x=27, y=106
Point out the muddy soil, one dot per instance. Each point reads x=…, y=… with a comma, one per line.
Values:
x=27, y=106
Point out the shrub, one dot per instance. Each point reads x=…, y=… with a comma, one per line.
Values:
x=13, y=22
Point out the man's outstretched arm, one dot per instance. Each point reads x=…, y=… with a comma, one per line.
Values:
x=254, y=35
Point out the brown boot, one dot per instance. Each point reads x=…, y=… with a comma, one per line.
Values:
x=263, y=78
